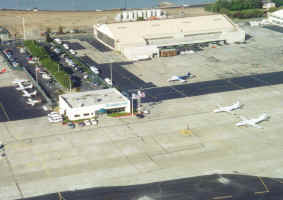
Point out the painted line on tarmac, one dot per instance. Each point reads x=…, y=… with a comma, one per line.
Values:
x=266, y=190
x=222, y=197
x=4, y=111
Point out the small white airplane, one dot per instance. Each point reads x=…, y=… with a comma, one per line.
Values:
x=252, y=122
x=32, y=102
x=235, y=106
x=23, y=87
x=176, y=78
x=27, y=94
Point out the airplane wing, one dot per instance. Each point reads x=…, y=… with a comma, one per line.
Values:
x=256, y=126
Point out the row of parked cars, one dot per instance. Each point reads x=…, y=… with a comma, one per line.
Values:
x=70, y=63
x=66, y=46
x=9, y=54
x=55, y=117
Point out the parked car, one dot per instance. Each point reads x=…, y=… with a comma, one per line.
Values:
x=81, y=124
x=58, y=41
x=139, y=115
x=66, y=46
x=87, y=122
x=71, y=125
x=45, y=76
x=73, y=52
x=94, y=69
x=108, y=81
x=15, y=64
x=58, y=51
x=93, y=121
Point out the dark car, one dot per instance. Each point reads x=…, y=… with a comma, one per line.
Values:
x=71, y=125
x=139, y=115
x=81, y=124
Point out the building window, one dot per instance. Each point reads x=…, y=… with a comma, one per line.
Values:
x=86, y=114
x=76, y=115
x=116, y=110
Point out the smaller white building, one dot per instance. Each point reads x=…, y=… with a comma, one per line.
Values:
x=85, y=105
x=268, y=5
x=276, y=17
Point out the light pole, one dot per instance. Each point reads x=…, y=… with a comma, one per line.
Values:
x=24, y=29
x=132, y=105
x=70, y=83
x=134, y=96
x=111, y=73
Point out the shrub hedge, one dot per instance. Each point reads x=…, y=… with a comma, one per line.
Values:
x=50, y=65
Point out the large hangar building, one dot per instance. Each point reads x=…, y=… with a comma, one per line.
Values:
x=143, y=39
x=276, y=17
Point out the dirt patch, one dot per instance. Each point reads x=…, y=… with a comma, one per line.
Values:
x=40, y=21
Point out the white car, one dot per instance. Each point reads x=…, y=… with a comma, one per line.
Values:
x=55, y=120
x=87, y=122
x=58, y=41
x=54, y=114
x=93, y=121
x=94, y=69
x=31, y=62
x=66, y=46
x=73, y=52
x=57, y=50
x=46, y=76
x=108, y=81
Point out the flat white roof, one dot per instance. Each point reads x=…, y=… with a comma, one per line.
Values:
x=136, y=32
x=278, y=13
x=95, y=97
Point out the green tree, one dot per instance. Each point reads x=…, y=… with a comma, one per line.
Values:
x=278, y=2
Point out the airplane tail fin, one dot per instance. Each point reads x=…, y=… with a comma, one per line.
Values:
x=263, y=116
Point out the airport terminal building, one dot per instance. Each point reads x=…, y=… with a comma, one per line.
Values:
x=144, y=39
x=85, y=105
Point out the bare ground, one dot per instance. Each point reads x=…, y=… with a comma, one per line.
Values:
x=38, y=22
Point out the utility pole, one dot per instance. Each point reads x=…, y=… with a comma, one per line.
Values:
x=24, y=29
x=58, y=67
x=111, y=73
x=70, y=83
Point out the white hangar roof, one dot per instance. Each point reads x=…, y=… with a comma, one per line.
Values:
x=278, y=13
x=131, y=33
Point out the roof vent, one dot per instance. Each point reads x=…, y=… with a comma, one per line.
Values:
x=82, y=104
